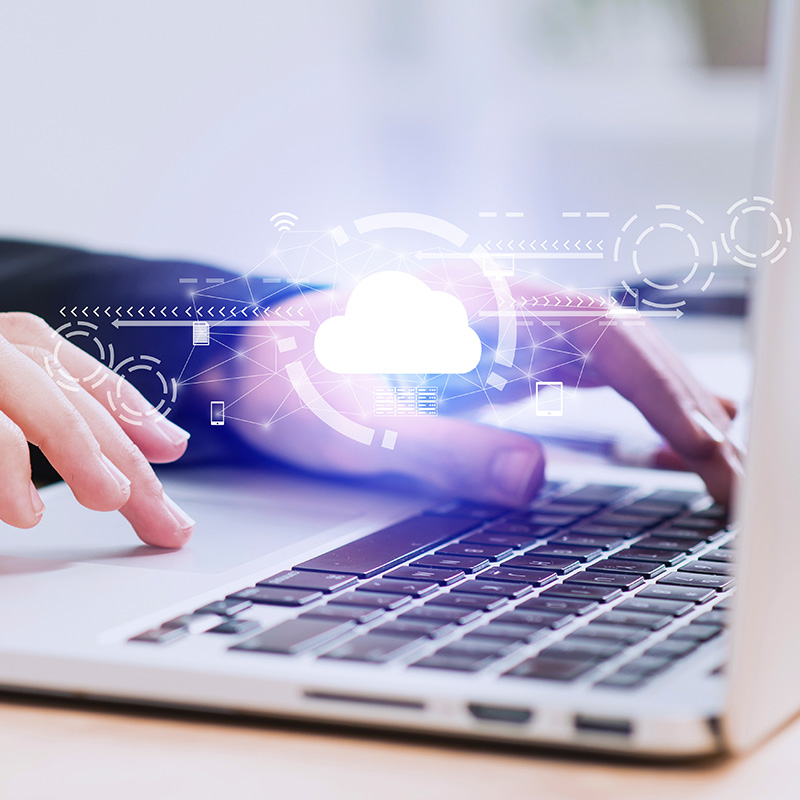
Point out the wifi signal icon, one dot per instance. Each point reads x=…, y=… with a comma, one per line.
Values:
x=283, y=221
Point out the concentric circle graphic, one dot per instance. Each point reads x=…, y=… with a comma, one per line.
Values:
x=149, y=365
x=638, y=231
x=748, y=210
x=104, y=355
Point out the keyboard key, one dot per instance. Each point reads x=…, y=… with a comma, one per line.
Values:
x=602, y=594
x=381, y=550
x=561, y=566
x=474, y=551
x=680, y=534
x=411, y=628
x=583, y=649
x=660, y=591
x=677, y=496
x=273, y=596
x=555, y=506
x=443, y=577
x=494, y=647
x=373, y=648
x=455, y=661
x=565, y=551
x=713, y=617
x=511, y=632
x=161, y=636
x=358, y=614
x=514, y=541
x=644, y=569
x=719, y=582
x=639, y=619
x=517, y=528
x=235, y=626
x=474, y=601
x=296, y=636
x=462, y=563
x=665, y=557
x=584, y=540
x=645, y=665
x=632, y=522
x=409, y=588
x=616, y=680
x=530, y=577
x=672, y=544
x=596, y=494
x=598, y=631
x=704, y=567
x=715, y=511
x=550, y=669
x=651, y=508
x=321, y=581
x=536, y=619
x=499, y=589
x=460, y=616
x=375, y=599
x=698, y=524
x=675, y=608
x=462, y=508
x=225, y=608
x=672, y=648
x=551, y=520
x=592, y=529
x=719, y=556
x=562, y=605
x=618, y=579
x=697, y=632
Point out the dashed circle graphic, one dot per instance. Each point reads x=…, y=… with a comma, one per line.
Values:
x=103, y=354
x=142, y=363
x=745, y=210
x=671, y=218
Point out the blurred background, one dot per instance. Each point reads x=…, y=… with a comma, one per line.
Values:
x=179, y=128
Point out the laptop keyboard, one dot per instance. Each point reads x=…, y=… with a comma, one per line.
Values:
x=594, y=583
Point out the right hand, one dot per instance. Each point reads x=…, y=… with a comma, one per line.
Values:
x=46, y=399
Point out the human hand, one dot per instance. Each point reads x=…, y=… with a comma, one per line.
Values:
x=455, y=455
x=56, y=396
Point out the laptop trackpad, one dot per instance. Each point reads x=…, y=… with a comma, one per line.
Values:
x=234, y=526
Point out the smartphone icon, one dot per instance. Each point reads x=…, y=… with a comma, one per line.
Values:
x=217, y=412
x=549, y=399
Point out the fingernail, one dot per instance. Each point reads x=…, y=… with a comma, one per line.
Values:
x=512, y=471
x=119, y=477
x=36, y=502
x=707, y=426
x=185, y=522
x=173, y=433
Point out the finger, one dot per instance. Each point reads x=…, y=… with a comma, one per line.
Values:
x=730, y=406
x=157, y=437
x=20, y=504
x=156, y=519
x=49, y=421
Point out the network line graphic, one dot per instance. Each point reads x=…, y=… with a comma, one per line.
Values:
x=394, y=318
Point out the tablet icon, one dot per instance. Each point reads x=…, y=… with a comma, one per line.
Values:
x=217, y=412
x=549, y=399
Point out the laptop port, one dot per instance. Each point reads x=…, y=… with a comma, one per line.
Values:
x=500, y=714
x=617, y=727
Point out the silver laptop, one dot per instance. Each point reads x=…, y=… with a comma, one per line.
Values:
x=602, y=617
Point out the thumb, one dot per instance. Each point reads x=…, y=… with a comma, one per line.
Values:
x=471, y=461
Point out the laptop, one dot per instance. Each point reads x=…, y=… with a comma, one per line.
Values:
x=603, y=617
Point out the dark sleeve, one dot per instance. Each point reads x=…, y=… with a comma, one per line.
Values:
x=136, y=315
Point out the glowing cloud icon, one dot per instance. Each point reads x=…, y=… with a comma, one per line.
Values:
x=395, y=324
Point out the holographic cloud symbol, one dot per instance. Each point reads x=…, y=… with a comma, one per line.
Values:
x=395, y=324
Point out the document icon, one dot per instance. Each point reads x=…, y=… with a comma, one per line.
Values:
x=201, y=333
